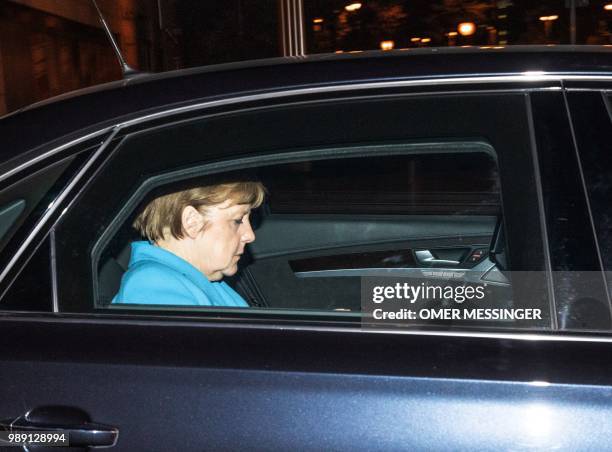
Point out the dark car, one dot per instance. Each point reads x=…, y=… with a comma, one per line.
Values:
x=477, y=171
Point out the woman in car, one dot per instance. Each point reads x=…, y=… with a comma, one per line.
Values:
x=195, y=238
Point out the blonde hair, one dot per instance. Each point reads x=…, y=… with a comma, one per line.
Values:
x=164, y=213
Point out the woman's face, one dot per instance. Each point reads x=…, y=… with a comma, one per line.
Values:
x=221, y=243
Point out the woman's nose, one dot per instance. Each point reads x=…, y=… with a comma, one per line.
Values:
x=248, y=235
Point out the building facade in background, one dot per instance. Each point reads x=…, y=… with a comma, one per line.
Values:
x=49, y=47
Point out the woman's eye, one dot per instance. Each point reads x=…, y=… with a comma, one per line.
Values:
x=238, y=221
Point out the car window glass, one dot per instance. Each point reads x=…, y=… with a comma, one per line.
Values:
x=326, y=224
x=25, y=198
x=579, y=288
x=29, y=195
x=32, y=289
x=346, y=200
x=593, y=126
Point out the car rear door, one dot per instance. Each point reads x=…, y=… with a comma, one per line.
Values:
x=176, y=379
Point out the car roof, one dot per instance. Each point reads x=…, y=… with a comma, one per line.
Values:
x=144, y=93
x=552, y=58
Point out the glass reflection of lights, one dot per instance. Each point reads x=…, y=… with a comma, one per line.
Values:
x=353, y=7
x=466, y=28
x=387, y=45
x=539, y=383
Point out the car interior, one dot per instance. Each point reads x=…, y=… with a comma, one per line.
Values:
x=327, y=223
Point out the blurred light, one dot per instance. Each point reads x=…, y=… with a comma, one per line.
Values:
x=502, y=16
x=316, y=27
x=466, y=28
x=339, y=51
x=608, y=7
x=353, y=7
x=425, y=40
x=355, y=51
x=547, y=18
x=452, y=33
x=387, y=45
x=499, y=47
x=485, y=47
x=318, y=20
x=415, y=39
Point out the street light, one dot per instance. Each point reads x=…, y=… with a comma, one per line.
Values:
x=353, y=7
x=608, y=7
x=466, y=28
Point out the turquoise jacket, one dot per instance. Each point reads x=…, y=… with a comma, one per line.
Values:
x=157, y=276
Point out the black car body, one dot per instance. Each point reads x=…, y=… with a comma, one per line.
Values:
x=519, y=139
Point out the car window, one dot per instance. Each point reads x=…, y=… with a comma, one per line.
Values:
x=592, y=123
x=23, y=200
x=348, y=201
x=326, y=223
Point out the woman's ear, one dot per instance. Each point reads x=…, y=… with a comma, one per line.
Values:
x=192, y=221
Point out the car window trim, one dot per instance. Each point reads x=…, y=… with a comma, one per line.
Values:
x=542, y=213
x=526, y=77
x=217, y=323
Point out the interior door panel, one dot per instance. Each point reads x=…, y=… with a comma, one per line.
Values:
x=305, y=265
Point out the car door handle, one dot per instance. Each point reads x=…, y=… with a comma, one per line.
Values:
x=72, y=421
x=425, y=257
